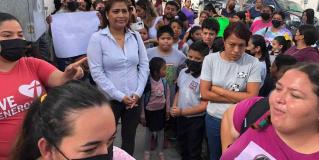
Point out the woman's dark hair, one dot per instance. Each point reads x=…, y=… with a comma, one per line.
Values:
x=7, y=17
x=309, y=32
x=283, y=60
x=210, y=8
x=312, y=71
x=88, y=5
x=165, y=29
x=180, y=23
x=282, y=41
x=57, y=5
x=259, y=41
x=48, y=117
x=192, y=31
x=156, y=64
x=149, y=11
x=239, y=29
x=310, y=14
x=281, y=13
x=241, y=15
x=108, y=6
x=218, y=44
x=211, y=24
x=173, y=3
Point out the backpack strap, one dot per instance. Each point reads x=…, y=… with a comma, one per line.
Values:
x=254, y=113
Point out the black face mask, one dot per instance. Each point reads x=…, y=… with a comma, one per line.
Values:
x=73, y=5
x=13, y=49
x=265, y=16
x=276, y=23
x=98, y=157
x=194, y=67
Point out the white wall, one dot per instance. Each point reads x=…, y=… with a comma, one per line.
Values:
x=314, y=4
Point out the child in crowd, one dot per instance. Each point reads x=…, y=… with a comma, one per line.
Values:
x=173, y=57
x=149, y=43
x=279, y=46
x=210, y=28
x=155, y=106
x=188, y=106
x=177, y=27
x=195, y=34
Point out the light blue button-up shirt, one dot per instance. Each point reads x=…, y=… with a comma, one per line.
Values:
x=117, y=71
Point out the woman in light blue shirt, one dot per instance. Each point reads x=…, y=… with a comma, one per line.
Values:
x=119, y=66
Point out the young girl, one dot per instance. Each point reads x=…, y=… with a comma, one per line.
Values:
x=149, y=43
x=177, y=26
x=188, y=106
x=155, y=106
x=194, y=35
x=280, y=45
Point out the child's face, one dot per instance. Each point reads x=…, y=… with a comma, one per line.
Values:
x=197, y=35
x=208, y=36
x=165, y=42
x=275, y=45
x=177, y=29
x=163, y=71
x=195, y=56
x=202, y=17
x=144, y=34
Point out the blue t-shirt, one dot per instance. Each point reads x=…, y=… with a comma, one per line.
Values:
x=254, y=13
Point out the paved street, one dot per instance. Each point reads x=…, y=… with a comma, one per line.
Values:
x=170, y=153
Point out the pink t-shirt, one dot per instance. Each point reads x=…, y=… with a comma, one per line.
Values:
x=158, y=100
x=119, y=154
x=258, y=24
x=23, y=83
x=264, y=143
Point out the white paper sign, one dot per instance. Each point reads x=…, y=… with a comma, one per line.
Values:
x=71, y=32
x=254, y=152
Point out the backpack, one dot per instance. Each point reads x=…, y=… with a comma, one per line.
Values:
x=148, y=88
x=254, y=113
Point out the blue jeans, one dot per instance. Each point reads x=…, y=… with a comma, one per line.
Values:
x=213, y=136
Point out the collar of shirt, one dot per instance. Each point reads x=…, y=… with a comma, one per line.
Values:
x=106, y=31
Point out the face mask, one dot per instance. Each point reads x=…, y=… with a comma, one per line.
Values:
x=13, y=49
x=97, y=157
x=276, y=23
x=72, y=6
x=265, y=16
x=194, y=67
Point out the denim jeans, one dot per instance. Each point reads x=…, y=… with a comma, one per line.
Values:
x=213, y=136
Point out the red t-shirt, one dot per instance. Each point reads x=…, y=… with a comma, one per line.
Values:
x=18, y=87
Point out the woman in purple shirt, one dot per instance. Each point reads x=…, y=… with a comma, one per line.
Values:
x=187, y=10
x=290, y=130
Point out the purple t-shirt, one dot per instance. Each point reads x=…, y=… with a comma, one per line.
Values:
x=308, y=54
x=189, y=15
x=264, y=143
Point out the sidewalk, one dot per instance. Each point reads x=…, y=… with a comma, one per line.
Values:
x=170, y=153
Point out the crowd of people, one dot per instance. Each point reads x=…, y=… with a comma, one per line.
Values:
x=239, y=80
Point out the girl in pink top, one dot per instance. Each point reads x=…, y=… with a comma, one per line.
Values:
x=73, y=121
x=155, y=106
x=290, y=130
